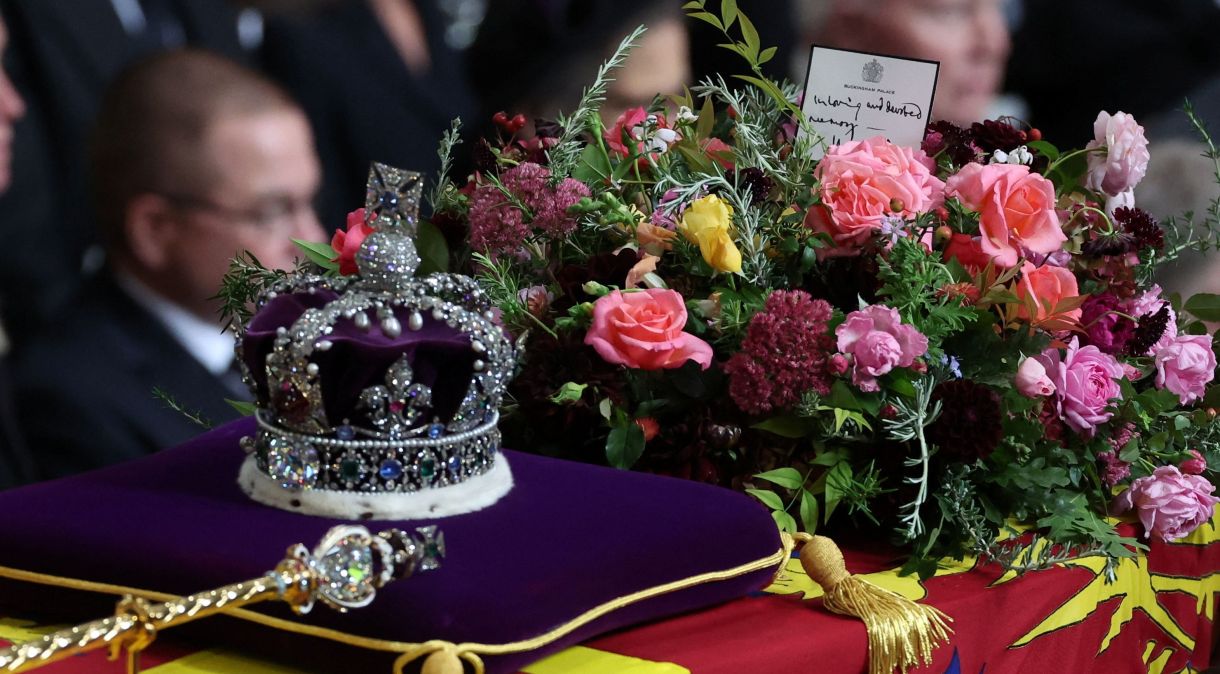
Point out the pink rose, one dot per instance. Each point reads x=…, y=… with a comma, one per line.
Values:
x=865, y=182
x=1085, y=381
x=1016, y=209
x=1195, y=465
x=347, y=243
x=644, y=330
x=1169, y=504
x=1122, y=156
x=967, y=250
x=1032, y=381
x=1047, y=286
x=878, y=342
x=1185, y=366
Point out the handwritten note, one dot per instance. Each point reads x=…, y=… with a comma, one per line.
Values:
x=851, y=95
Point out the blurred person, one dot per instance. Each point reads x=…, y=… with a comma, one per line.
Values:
x=65, y=53
x=378, y=82
x=194, y=160
x=535, y=58
x=15, y=466
x=968, y=37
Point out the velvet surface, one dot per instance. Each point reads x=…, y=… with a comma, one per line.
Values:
x=568, y=537
x=439, y=355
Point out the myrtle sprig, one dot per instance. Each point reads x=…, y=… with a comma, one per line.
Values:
x=194, y=416
x=566, y=151
x=246, y=279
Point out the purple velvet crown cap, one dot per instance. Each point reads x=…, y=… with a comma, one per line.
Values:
x=440, y=356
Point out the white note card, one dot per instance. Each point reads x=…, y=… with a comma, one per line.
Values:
x=851, y=95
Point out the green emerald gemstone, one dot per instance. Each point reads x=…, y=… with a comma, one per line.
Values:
x=427, y=468
x=349, y=469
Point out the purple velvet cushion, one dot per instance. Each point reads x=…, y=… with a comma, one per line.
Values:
x=568, y=537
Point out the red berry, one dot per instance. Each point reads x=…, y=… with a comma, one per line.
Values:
x=1034, y=134
x=500, y=119
x=517, y=123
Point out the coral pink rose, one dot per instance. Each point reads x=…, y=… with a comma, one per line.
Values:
x=1047, y=285
x=868, y=181
x=1169, y=504
x=1085, y=381
x=1122, y=157
x=1032, y=381
x=1016, y=209
x=878, y=342
x=347, y=243
x=644, y=330
x=1185, y=366
x=967, y=250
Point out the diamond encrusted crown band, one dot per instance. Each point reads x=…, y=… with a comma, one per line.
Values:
x=393, y=437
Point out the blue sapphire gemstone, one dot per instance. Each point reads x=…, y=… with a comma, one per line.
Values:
x=391, y=469
x=435, y=430
x=454, y=464
x=389, y=200
x=345, y=432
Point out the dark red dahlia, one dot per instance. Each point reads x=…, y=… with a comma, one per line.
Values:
x=1106, y=325
x=784, y=354
x=998, y=134
x=1149, y=331
x=951, y=139
x=968, y=427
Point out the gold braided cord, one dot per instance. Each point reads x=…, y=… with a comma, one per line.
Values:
x=411, y=651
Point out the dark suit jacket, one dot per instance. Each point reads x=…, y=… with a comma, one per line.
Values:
x=85, y=386
x=363, y=102
x=62, y=55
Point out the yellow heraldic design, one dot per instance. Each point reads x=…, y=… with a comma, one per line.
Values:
x=1158, y=664
x=793, y=579
x=1138, y=588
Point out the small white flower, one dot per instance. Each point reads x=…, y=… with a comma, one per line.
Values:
x=1021, y=155
x=685, y=115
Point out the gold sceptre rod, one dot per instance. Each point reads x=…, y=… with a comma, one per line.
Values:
x=344, y=572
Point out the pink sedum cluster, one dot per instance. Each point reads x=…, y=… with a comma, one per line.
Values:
x=497, y=226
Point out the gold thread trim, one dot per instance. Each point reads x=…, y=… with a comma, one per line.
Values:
x=776, y=558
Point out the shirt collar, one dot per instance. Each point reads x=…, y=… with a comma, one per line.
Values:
x=205, y=341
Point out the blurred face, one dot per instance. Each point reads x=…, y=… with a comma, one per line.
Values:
x=265, y=175
x=968, y=37
x=660, y=64
x=11, y=109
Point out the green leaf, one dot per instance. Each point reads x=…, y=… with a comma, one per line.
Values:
x=728, y=12
x=605, y=407
x=1044, y=148
x=809, y=511
x=788, y=478
x=693, y=4
x=751, y=36
x=243, y=408
x=768, y=498
x=785, y=427
x=1204, y=306
x=432, y=249
x=838, y=481
x=827, y=459
x=689, y=380
x=768, y=87
x=784, y=520
x=708, y=17
x=594, y=166
x=695, y=158
x=320, y=254
x=766, y=55
x=570, y=392
x=707, y=119
x=843, y=396
x=842, y=416
x=625, y=445
x=899, y=382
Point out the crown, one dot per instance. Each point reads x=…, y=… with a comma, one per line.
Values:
x=377, y=394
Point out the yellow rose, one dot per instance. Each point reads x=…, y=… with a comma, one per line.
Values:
x=708, y=222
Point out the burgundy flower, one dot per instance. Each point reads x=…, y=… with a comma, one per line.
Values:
x=784, y=354
x=968, y=427
x=1141, y=227
x=997, y=134
x=953, y=140
x=1106, y=325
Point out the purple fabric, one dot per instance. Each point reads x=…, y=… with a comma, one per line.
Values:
x=568, y=537
x=440, y=356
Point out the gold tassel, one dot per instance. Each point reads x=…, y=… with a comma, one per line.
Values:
x=901, y=633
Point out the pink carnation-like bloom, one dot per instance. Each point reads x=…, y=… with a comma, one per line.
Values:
x=865, y=182
x=1185, y=366
x=1122, y=159
x=643, y=330
x=1169, y=504
x=1195, y=465
x=1086, y=380
x=878, y=342
x=784, y=354
x=1016, y=209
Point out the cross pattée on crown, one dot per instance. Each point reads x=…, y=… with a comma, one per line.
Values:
x=391, y=200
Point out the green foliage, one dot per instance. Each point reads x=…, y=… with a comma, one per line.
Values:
x=911, y=280
x=246, y=279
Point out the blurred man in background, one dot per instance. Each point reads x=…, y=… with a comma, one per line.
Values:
x=14, y=460
x=195, y=159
